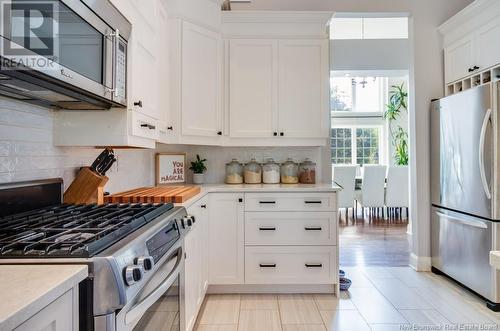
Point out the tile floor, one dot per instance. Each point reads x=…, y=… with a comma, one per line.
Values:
x=381, y=298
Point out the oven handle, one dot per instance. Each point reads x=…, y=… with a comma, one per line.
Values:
x=141, y=307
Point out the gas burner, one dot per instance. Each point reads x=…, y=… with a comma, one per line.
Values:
x=72, y=230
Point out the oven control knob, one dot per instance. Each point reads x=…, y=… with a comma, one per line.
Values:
x=146, y=262
x=183, y=223
x=133, y=274
x=193, y=218
x=189, y=221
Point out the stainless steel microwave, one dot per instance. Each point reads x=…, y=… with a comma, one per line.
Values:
x=64, y=54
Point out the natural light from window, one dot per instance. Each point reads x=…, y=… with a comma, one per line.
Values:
x=369, y=28
x=358, y=94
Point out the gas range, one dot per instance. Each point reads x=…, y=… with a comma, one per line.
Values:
x=131, y=249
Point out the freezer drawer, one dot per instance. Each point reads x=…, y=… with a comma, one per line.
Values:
x=460, y=248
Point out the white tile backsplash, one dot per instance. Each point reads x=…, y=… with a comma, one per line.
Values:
x=27, y=152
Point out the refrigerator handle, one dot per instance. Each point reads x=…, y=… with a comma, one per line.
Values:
x=474, y=223
x=482, y=171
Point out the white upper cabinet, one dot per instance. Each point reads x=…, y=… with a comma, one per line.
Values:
x=253, y=67
x=488, y=45
x=471, y=40
x=303, y=88
x=459, y=59
x=277, y=88
x=201, y=113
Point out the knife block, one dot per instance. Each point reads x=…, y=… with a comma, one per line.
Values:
x=87, y=188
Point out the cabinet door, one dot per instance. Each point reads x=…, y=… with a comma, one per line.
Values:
x=201, y=81
x=144, y=60
x=459, y=58
x=60, y=315
x=487, y=45
x=226, y=238
x=165, y=120
x=253, y=73
x=191, y=274
x=303, y=88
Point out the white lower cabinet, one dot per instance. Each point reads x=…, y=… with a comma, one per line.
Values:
x=290, y=265
x=196, y=267
x=226, y=238
x=60, y=315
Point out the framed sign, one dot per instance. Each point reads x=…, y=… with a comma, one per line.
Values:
x=170, y=168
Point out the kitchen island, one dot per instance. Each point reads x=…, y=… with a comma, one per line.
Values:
x=35, y=297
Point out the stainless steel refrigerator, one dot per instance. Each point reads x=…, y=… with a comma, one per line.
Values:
x=465, y=188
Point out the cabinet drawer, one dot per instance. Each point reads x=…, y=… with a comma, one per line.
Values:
x=290, y=265
x=289, y=201
x=290, y=228
x=144, y=126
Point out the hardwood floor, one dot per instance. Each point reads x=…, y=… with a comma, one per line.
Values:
x=373, y=241
x=380, y=298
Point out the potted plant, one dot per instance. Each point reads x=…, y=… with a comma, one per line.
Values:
x=397, y=104
x=198, y=167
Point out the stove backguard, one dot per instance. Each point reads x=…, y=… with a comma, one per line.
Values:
x=25, y=196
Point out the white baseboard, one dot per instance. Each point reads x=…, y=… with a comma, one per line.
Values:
x=420, y=263
x=275, y=289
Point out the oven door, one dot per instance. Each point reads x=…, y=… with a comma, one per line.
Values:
x=82, y=49
x=157, y=306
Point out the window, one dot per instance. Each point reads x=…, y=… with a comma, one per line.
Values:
x=369, y=28
x=356, y=145
x=358, y=94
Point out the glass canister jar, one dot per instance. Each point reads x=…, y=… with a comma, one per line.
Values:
x=253, y=172
x=289, y=172
x=307, y=172
x=234, y=172
x=271, y=172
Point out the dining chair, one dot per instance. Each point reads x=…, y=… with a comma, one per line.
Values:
x=345, y=176
x=397, y=190
x=372, y=187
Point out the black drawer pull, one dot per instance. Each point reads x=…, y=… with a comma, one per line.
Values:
x=317, y=228
x=149, y=126
x=314, y=265
x=313, y=202
x=267, y=229
x=203, y=206
x=267, y=202
x=267, y=265
x=138, y=103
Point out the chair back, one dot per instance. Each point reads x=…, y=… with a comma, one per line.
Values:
x=396, y=194
x=345, y=176
x=373, y=186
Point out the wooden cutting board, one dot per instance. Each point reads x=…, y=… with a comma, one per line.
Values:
x=155, y=194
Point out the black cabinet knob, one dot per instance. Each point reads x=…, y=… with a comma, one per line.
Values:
x=471, y=69
x=282, y=134
x=219, y=133
x=240, y=199
x=476, y=68
x=275, y=134
x=138, y=103
x=170, y=128
x=203, y=206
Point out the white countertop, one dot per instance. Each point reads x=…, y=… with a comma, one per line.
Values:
x=26, y=289
x=495, y=259
x=256, y=188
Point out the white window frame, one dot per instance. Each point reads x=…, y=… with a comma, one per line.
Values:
x=355, y=114
x=364, y=123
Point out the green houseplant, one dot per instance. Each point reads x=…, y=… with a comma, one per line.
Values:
x=198, y=168
x=399, y=137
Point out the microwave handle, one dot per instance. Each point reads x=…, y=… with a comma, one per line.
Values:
x=116, y=46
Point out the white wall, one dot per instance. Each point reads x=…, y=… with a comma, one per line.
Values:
x=427, y=75
x=368, y=54
x=217, y=157
x=27, y=151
